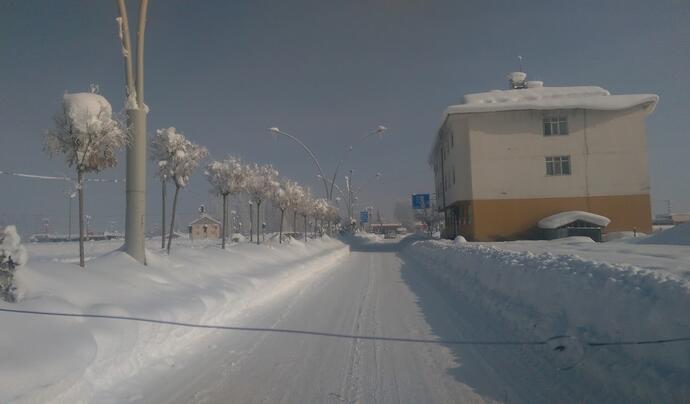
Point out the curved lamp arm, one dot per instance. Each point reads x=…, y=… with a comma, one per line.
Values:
x=276, y=131
x=378, y=131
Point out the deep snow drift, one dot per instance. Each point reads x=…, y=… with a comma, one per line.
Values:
x=676, y=235
x=69, y=359
x=542, y=294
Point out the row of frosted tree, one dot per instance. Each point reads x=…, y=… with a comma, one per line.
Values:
x=88, y=136
x=176, y=158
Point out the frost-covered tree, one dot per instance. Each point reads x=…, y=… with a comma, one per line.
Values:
x=295, y=194
x=164, y=144
x=86, y=134
x=12, y=255
x=325, y=212
x=227, y=177
x=283, y=197
x=261, y=184
x=182, y=159
x=304, y=208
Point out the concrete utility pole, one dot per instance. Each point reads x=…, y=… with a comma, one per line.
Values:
x=135, y=225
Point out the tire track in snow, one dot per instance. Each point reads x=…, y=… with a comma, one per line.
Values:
x=228, y=367
x=350, y=389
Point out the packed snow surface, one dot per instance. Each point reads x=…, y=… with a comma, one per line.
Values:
x=71, y=359
x=564, y=218
x=409, y=320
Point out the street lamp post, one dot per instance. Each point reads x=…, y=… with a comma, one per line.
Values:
x=136, y=118
x=380, y=130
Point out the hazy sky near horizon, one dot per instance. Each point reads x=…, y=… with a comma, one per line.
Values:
x=328, y=72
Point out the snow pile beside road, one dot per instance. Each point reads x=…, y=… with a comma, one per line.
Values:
x=70, y=359
x=676, y=235
x=545, y=295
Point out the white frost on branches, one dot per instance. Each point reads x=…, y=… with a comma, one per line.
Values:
x=262, y=182
x=85, y=133
x=177, y=157
x=286, y=195
x=227, y=177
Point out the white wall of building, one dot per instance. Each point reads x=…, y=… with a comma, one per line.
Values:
x=508, y=151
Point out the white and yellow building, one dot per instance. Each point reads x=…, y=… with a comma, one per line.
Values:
x=505, y=159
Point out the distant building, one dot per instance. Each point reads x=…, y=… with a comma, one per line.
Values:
x=381, y=228
x=505, y=159
x=205, y=227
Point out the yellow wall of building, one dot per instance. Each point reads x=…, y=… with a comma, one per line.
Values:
x=501, y=219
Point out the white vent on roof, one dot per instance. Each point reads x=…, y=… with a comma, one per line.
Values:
x=517, y=80
x=535, y=84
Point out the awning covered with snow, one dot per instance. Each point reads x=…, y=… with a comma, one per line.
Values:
x=565, y=218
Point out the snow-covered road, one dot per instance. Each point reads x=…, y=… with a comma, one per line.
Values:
x=376, y=291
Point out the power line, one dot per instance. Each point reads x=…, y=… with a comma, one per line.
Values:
x=50, y=177
x=352, y=336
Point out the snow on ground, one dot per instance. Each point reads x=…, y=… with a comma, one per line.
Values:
x=593, y=292
x=69, y=359
x=676, y=235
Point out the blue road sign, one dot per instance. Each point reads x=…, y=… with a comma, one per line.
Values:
x=364, y=217
x=421, y=201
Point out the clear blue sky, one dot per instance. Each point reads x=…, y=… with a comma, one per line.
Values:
x=328, y=71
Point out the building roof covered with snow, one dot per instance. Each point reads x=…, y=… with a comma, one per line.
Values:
x=526, y=94
x=566, y=218
x=534, y=95
x=205, y=219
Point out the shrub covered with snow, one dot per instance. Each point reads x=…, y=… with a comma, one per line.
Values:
x=12, y=255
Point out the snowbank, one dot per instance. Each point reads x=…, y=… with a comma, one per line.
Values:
x=564, y=218
x=70, y=359
x=676, y=235
x=545, y=295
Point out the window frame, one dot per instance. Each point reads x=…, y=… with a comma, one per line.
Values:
x=555, y=124
x=558, y=166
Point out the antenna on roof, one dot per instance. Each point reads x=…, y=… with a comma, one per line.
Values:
x=520, y=63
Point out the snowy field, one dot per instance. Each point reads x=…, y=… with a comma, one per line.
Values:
x=70, y=359
x=621, y=292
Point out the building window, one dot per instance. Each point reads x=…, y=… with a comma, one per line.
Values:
x=558, y=165
x=555, y=125
x=453, y=175
x=452, y=140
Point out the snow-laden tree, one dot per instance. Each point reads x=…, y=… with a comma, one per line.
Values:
x=295, y=193
x=284, y=196
x=320, y=213
x=164, y=145
x=227, y=177
x=12, y=255
x=305, y=208
x=325, y=212
x=183, y=157
x=86, y=134
x=262, y=181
